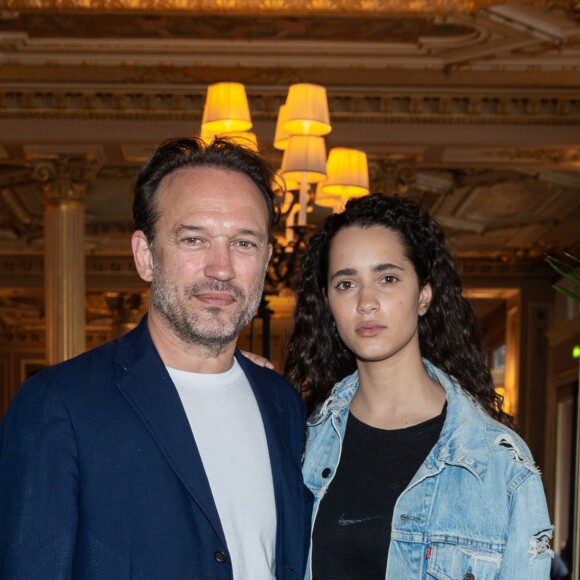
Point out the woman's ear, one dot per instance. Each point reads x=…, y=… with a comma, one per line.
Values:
x=425, y=297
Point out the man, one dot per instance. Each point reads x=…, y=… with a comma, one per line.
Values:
x=166, y=454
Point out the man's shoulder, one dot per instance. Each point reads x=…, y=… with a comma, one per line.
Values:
x=77, y=373
x=95, y=358
x=93, y=364
x=69, y=383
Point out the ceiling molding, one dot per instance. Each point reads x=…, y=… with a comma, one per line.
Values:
x=377, y=106
x=293, y=7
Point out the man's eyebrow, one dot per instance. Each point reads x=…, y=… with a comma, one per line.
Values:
x=253, y=233
x=184, y=228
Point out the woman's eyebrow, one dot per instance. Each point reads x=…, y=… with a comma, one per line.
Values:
x=387, y=266
x=377, y=268
x=343, y=272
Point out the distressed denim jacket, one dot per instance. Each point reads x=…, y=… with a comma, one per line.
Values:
x=475, y=509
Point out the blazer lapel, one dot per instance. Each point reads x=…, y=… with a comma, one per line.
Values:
x=145, y=383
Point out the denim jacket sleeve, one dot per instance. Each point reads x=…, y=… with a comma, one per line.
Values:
x=528, y=555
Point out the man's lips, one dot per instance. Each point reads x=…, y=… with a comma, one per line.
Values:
x=216, y=298
x=368, y=329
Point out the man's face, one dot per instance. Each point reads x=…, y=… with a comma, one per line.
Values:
x=210, y=255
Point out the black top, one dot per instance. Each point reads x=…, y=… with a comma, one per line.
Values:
x=352, y=530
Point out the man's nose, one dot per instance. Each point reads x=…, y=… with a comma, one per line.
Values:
x=219, y=262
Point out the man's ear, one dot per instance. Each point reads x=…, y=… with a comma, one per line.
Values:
x=425, y=297
x=270, y=250
x=142, y=255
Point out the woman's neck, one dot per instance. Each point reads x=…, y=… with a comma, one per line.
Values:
x=396, y=393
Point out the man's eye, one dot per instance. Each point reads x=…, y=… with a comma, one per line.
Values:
x=245, y=244
x=192, y=241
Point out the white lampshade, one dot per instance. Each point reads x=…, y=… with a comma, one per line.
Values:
x=348, y=173
x=281, y=136
x=324, y=199
x=304, y=159
x=226, y=109
x=307, y=110
x=207, y=136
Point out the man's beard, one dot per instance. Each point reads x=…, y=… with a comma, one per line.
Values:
x=189, y=324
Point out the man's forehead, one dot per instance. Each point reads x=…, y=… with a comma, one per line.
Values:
x=211, y=182
x=196, y=196
x=210, y=174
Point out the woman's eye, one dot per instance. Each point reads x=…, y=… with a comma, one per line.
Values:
x=390, y=279
x=344, y=285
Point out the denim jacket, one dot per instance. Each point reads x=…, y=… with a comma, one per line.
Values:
x=475, y=509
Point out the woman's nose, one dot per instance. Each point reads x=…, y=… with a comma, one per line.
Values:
x=368, y=302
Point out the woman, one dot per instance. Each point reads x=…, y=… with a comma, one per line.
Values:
x=414, y=468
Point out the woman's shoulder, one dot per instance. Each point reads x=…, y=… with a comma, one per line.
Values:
x=339, y=399
x=498, y=447
x=509, y=447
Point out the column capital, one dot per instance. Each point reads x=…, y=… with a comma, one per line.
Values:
x=65, y=178
x=392, y=174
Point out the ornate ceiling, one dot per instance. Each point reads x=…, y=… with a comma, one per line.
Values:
x=254, y=6
x=473, y=106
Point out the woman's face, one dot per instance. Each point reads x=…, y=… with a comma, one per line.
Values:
x=374, y=294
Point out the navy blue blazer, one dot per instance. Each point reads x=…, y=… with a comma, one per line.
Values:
x=100, y=476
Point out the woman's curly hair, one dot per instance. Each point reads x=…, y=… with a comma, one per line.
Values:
x=448, y=331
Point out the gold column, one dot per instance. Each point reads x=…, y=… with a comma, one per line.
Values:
x=512, y=353
x=64, y=184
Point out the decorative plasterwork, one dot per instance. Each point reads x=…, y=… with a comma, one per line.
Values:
x=378, y=106
x=255, y=6
x=292, y=7
x=561, y=157
x=524, y=38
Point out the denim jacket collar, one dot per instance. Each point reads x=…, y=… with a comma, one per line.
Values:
x=463, y=438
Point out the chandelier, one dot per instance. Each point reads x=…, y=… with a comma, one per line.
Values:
x=306, y=175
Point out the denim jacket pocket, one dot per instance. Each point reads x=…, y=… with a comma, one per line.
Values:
x=460, y=562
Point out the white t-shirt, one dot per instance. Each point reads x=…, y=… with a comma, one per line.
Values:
x=229, y=433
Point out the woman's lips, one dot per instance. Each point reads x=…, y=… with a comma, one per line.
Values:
x=368, y=329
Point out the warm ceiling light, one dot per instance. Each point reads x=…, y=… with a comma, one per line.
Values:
x=324, y=199
x=307, y=110
x=207, y=136
x=348, y=173
x=304, y=159
x=281, y=136
x=226, y=109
